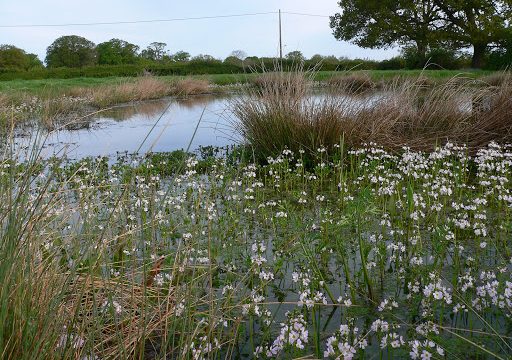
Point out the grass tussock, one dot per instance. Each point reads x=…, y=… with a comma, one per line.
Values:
x=452, y=112
x=284, y=85
x=144, y=88
x=497, y=79
x=4, y=100
x=356, y=83
x=406, y=113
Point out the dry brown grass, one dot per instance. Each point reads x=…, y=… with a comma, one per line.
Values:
x=353, y=83
x=186, y=87
x=144, y=88
x=61, y=110
x=277, y=114
x=284, y=85
x=4, y=100
x=454, y=111
x=92, y=309
x=497, y=79
x=404, y=114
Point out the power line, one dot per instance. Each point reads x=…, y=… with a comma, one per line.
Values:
x=304, y=14
x=160, y=20
x=138, y=21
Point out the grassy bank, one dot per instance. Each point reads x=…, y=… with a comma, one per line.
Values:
x=360, y=253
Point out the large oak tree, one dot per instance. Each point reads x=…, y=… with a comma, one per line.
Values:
x=479, y=24
x=424, y=23
x=15, y=58
x=385, y=23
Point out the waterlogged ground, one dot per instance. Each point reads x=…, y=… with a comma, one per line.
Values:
x=359, y=254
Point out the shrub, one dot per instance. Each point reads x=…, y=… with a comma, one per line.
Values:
x=444, y=58
x=395, y=63
x=500, y=59
x=434, y=58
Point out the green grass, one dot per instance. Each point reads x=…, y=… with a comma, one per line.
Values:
x=59, y=86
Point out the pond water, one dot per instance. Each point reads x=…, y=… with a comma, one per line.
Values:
x=158, y=126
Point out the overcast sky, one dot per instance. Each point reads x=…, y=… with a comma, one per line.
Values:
x=256, y=35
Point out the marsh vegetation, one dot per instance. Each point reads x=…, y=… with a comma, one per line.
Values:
x=377, y=230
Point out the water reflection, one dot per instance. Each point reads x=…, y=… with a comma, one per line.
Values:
x=160, y=125
x=170, y=124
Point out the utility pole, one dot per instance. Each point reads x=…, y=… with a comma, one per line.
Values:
x=280, y=39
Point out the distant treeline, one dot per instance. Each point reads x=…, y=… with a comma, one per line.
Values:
x=74, y=56
x=192, y=67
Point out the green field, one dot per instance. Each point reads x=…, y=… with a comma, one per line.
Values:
x=62, y=85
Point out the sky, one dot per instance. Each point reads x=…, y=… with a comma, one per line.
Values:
x=255, y=35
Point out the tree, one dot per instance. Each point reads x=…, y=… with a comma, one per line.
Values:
x=385, y=23
x=480, y=24
x=205, y=58
x=317, y=58
x=295, y=56
x=34, y=62
x=180, y=56
x=237, y=57
x=117, y=52
x=12, y=58
x=71, y=51
x=426, y=24
x=252, y=61
x=15, y=58
x=155, y=51
x=239, y=54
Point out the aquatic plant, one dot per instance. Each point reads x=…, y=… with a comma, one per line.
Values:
x=363, y=253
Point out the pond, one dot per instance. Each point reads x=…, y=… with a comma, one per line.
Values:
x=158, y=126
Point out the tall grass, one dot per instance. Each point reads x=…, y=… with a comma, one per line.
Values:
x=144, y=88
x=354, y=83
x=72, y=109
x=190, y=86
x=68, y=289
x=497, y=79
x=280, y=113
x=405, y=113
